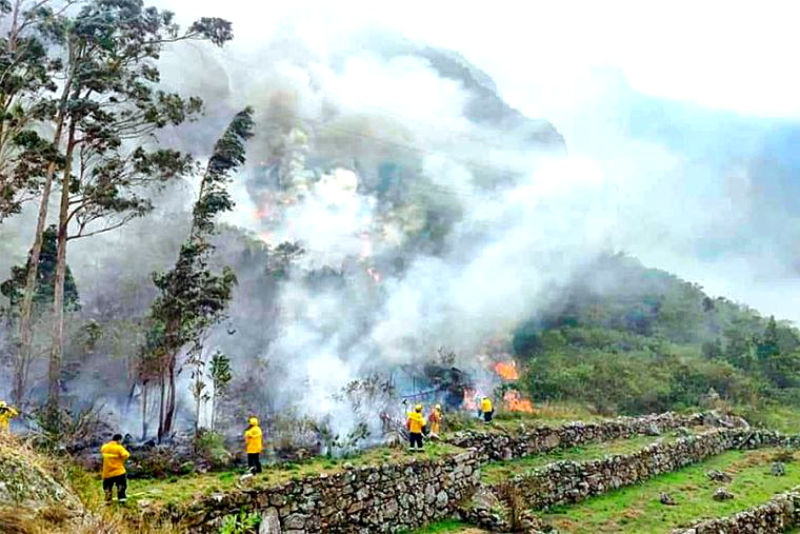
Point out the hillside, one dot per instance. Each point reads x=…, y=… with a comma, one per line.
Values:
x=632, y=339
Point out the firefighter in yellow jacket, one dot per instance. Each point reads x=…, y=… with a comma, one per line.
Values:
x=114, y=456
x=7, y=413
x=415, y=425
x=253, y=445
x=435, y=420
x=487, y=409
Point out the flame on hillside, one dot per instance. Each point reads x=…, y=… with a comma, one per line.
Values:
x=507, y=370
x=514, y=402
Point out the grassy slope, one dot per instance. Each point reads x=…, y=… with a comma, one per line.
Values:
x=547, y=414
x=451, y=526
x=177, y=490
x=785, y=419
x=637, y=508
x=498, y=471
x=183, y=488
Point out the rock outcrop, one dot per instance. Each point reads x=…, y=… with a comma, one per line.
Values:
x=33, y=494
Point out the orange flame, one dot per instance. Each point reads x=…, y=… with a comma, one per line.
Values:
x=514, y=402
x=507, y=370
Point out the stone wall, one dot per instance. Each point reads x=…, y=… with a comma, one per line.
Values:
x=778, y=515
x=568, y=482
x=526, y=442
x=408, y=495
x=387, y=498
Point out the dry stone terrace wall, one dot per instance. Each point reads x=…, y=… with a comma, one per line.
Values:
x=387, y=498
x=499, y=446
x=397, y=497
x=778, y=515
x=568, y=482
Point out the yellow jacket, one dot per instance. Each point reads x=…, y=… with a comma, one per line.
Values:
x=252, y=439
x=114, y=456
x=486, y=405
x=6, y=415
x=434, y=419
x=415, y=422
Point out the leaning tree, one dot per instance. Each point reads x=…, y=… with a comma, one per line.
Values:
x=192, y=297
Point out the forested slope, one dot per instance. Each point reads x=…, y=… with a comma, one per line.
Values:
x=634, y=339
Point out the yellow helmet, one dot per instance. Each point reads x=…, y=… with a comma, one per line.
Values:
x=3, y=404
x=438, y=406
x=418, y=407
x=253, y=421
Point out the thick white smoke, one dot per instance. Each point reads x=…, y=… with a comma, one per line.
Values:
x=437, y=229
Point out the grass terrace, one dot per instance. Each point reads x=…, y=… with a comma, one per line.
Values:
x=544, y=415
x=638, y=509
x=497, y=472
x=451, y=526
x=181, y=489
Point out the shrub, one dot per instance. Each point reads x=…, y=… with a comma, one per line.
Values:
x=210, y=446
x=243, y=523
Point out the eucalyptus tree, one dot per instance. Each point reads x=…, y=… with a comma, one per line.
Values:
x=192, y=297
x=105, y=118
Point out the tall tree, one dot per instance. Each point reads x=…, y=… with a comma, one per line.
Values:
x=768, y=345
x=105, y=120
x=221, y=376
x=13, y=289
x=193, y=298
x=31, y=95
x=27, y=88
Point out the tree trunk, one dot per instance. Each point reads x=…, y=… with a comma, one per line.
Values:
x=144, y=410
x=57, y=347
x=213, y=410
x=197, y=415
x=169, y=414
x=161, y=408
x=26, y=313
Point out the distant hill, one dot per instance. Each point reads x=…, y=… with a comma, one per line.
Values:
x=630, y=338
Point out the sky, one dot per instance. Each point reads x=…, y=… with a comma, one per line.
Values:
x=694, y=104
x=726, y=55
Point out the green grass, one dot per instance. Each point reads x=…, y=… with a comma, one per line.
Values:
x=547, y=414
x=449, y=526
x=637, y=508
x=496, y=472
x=181, y=489
x=785, y=419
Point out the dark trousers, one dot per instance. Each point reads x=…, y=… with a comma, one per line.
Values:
x=487, y=416
x=415, y=439
x=121, y=482
x=254, y=462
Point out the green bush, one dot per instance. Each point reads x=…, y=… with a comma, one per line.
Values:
x=244, y=523
x=210, y=446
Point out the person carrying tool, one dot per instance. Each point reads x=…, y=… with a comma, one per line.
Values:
x=253, y=445
x=114, y=456
x=487, y=409
x=7, y=413
x=435, y=420
x=416, y=426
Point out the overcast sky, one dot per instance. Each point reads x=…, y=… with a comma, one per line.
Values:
x=739, y=56
x=635, y=86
